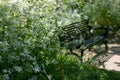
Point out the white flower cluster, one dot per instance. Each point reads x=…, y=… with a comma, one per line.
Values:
x=18, y=68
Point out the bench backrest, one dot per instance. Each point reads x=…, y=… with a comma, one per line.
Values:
x=74, y=31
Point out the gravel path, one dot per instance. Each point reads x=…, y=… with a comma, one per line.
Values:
x=113, y=58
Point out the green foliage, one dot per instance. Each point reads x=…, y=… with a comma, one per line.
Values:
x=103, y=12
x=26, y=41
x=29, y=45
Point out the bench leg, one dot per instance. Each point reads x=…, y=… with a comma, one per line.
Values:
x=89, y=48
x=71, y=52
x=106, y=46
x=81, y=56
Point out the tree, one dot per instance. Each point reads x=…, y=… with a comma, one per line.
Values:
x=104, y=12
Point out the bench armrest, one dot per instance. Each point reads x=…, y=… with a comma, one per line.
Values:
x=99, y=31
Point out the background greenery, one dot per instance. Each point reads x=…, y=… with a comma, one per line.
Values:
x=29, y=45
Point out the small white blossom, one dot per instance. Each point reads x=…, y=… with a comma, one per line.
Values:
x=6, y=76
x=37, y=69
x=4, y=70
x=18, y=69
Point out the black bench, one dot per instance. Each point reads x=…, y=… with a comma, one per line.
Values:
x=80, y=35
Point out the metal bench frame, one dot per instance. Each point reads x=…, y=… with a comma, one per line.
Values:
x=80, y=35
